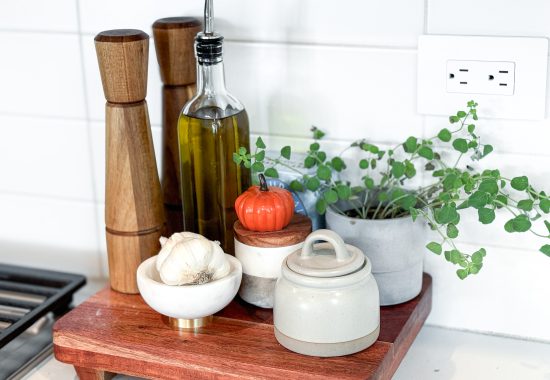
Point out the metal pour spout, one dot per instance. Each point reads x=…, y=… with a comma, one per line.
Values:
x=209, y=17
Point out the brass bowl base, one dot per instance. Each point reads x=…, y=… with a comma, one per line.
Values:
x=187, y=324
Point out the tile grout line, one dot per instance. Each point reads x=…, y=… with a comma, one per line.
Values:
x=90, y=144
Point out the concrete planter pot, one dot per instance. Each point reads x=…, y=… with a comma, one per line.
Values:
x=395, y=248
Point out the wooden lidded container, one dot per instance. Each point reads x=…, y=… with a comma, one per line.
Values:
x=134, y=215
x=174, y=41
x=262, y=254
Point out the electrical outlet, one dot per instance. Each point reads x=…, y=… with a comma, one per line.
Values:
x=505, y=75
x=481, y=77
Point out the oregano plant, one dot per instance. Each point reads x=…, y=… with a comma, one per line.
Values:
x=384, y=189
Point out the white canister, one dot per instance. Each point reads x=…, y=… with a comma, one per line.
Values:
x=262, y=254
x=326, y=300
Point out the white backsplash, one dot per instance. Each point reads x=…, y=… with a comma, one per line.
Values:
x=348, y=67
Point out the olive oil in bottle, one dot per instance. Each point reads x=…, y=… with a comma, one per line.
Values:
x=212, y=125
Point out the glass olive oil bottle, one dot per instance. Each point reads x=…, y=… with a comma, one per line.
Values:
x=212, y=125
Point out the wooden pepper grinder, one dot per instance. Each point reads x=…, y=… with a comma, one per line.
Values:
x=134, y=215
x=174, y=38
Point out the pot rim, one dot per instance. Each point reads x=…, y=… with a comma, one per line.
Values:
x=331, y=209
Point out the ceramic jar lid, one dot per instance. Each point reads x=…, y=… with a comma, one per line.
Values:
x=331, y=259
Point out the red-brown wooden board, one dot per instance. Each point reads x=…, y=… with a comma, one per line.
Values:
x=118, y=333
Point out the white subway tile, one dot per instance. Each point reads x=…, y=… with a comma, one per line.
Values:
x=489, y=17
x=51, y=15
x=506, y=297
x=49, y=233
x=41, y=156
x=41, y=75
x=350, y=93
x=350, y=22
x=95, y=96
x=98, y=153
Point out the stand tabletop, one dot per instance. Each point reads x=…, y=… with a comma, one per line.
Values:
x=113, y=333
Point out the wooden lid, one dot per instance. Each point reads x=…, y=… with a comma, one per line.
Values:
x=296, y=232
x=122, y=55
x=174, y=40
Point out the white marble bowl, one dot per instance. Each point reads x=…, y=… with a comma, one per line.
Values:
x=187, y=301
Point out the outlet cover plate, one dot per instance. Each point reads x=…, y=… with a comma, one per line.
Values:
x=439, y=56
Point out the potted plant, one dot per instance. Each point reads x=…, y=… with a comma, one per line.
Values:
x=379, y=211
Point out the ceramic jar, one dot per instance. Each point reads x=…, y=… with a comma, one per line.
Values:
x=326, y=300
x=262, y=255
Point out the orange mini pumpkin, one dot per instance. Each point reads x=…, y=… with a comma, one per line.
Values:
x=265, y=209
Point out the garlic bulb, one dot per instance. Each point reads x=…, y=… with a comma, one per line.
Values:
x=189, y=258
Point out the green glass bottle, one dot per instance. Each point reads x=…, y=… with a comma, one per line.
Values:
x=212, y=125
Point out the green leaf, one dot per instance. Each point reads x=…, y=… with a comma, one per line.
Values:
x=453, y=119
x=313, y=183
x=397, y=169
x=271, y=172
x=410, y=144
x=364, y=164
x=321, y=206
x=314, y=147
x=446, y=214
x=260, y=143
x=545, y=205
x=429, y=167
x=258, y=166
x=461, y=114
x=501, y=199
x=410, y=170
x=323, y=172
x=407, y=202
x=317, y=133
x=471, y=128
x=382, y=196
x=374, y=149
x=525, y=205
x=486, y=215
x=260, y=155
x=369, y=183
x=461, y=145
x=478, y=199
x=477, y=257
x=426, y=152
x=487, y=149
x=309, y=162
x=444, y=135
x=330, y=196
x=373, y=163
x=452, y=231
x=322, y=156
x=509, y=226
x=296, y=185
x=489, y=186
x=237, y=158
x=285, y=152
x=462, y=273
x=434, y=247
x=247, y=164
x=414, y=214
x=344, y=191
x=338, y=164
x=520, y=183
x=520, y=223
x=547, y=224
x=545, y=249
x=242, y=150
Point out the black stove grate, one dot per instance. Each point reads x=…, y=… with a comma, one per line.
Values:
x=28, y=294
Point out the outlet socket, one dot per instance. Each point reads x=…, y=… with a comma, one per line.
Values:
x=481, y=77
x=505, y=75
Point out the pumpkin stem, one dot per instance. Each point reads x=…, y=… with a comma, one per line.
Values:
x=263, y=183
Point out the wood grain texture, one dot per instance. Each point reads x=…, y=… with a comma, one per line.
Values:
x=173, y=100
x=296, y=232
x=174, y=44
x=122, y=55
x=92, y=374
x=121, y=334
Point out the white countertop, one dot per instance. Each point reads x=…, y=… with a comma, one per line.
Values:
x=436, y=354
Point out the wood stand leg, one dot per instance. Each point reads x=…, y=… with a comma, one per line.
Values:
x=92, y=374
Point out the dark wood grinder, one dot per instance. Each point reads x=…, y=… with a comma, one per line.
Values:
x=174, y=40
x=134, y=215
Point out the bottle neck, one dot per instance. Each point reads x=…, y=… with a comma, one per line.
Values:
x=211, y=79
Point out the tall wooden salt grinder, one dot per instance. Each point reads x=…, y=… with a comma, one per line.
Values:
x=174, y=39
x=134, y=215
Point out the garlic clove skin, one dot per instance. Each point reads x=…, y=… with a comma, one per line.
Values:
x=189, y=258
